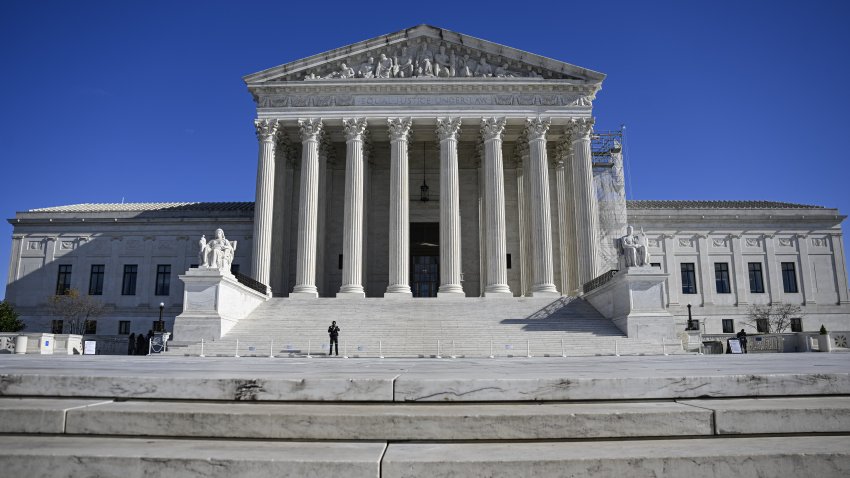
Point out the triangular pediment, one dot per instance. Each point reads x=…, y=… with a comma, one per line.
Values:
x=425, y=52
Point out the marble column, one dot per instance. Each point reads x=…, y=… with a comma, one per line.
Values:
x=399, y=278
x=840, y=267
x=585, y=201
x=566, y=217
x=494, y=204
x=264, y=204
x=305, y=271
x=450, y=263
x=543, y=281
x=524, y=214
x=352, y=236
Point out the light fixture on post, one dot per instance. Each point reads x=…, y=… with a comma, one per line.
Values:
x=423, y=190
x=161, y=326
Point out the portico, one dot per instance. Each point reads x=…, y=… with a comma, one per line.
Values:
x=355, y=140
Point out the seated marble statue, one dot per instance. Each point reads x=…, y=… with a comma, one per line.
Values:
x=404, y=64
x=634, y=248
x=218, y=253
x=443, y=64
x=483, y=68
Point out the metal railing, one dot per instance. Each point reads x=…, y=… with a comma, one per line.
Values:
x=600, y=281
x=251, y=283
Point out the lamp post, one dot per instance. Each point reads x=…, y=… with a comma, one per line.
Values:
x=690, y=319
x=161, y=326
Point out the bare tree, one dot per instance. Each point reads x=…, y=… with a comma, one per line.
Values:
x=776, y=317
x=75, y=309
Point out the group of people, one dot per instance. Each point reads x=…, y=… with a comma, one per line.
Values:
x=139, y=344
x=421, y=61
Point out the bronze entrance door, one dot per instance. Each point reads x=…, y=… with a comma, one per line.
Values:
x=425, y=258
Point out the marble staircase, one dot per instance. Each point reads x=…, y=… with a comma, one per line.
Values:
x=707, y=416
x=471, y=327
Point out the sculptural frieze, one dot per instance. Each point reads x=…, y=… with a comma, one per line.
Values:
x=425, y=58
x=216, y=254
x=634, y=248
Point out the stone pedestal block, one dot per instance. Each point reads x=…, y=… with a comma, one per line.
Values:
x=633, y=300
x=213, y=301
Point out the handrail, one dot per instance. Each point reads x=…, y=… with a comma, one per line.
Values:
x=251, y=283
x=600, y=281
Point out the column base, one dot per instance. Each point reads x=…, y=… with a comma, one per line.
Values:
x=491, y=295
x=304, y=295
x=451, y=295
x=350, y=295
x=546, y=293
x=497, y=290
x=398, y=295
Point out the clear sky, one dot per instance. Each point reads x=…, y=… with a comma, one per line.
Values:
x=104, y=100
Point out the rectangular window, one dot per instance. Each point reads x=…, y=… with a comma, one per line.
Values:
x=56, y=326
x=689, y=278
x=163, y=279
x=91, y=327
x=796, y=325
x=762, y=326
x=96, y=279
x=728, y=326
x=756, y=278
x=63, y=280
x=721, y=277
x=158, y=326
x=124, y=327
x=509, y=261
x=789, y=277
x=655, y=264
x=128, y=286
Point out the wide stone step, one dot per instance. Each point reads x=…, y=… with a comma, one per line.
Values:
x=440, y=422
x=827, y=456
x=142, y=458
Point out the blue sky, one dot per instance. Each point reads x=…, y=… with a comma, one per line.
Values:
x=101, y=101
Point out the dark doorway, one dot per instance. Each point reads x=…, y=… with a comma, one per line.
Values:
x=425, y=258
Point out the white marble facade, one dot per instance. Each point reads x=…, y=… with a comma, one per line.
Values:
x=502, y=138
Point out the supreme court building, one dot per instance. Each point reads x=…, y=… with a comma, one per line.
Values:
x=427, y=163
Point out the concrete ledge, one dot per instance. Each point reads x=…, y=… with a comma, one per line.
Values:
x=391, y=421
x=353, y=389
x=38, y=415
x=415, y=387
x=129, y=457
x=778, y=415
x=827, y=456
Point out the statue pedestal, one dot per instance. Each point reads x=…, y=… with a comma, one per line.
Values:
x=633, y=300
x=213, y=301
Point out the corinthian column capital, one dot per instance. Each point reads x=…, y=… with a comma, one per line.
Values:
x=563, y=150
x=266, y=129
x=580, y=128
x=448, y=128
x=354, y=128
x=310, y=129
x=399, y=128
x=492, y=128
x=536, y=128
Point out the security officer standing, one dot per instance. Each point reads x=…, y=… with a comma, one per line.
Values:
x=333, y=331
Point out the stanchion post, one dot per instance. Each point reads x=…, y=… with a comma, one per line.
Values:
x=380, y=349
x=453, y=350
x=237, y=349
x=308, y=350
x=527, y=349
x=616, y=347
x=344, y=349
x=202, y=349
x=563, y=350
x=491, y=350
x=150, y=346
x=664, y=345
x=271, y=349
x=438, y=349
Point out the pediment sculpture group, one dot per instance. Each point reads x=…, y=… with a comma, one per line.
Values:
x=634, y=248
x=421, y=60
x=217, y=253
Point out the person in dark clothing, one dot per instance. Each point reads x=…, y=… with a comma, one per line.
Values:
x=333, y=331
x=742, y=337
x=140, y=345
x=131, y=344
